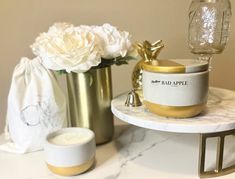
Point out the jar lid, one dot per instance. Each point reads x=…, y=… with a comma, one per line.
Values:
x=175, y=66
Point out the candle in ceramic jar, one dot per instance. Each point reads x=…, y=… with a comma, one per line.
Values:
x=70, y=138
x=175, y=88
x=70, y=151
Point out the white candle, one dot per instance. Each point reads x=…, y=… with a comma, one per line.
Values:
x=70, y=151
x=70, y=138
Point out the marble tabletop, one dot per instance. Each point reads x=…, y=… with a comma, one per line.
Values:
x=218, y=116
x=134, y=153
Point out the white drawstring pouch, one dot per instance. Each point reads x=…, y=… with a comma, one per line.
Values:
x=36, y=107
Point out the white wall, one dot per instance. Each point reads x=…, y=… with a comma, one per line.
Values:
x=22, y=20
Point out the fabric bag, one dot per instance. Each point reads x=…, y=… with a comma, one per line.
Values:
x=36, y=107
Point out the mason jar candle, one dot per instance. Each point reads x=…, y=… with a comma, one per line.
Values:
x=175, y=88
x=70, y=151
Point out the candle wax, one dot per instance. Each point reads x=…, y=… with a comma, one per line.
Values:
x=69, y=138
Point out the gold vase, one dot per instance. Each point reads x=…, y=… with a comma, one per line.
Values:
x=90, y=95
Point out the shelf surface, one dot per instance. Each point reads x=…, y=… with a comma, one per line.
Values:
x=134, y=153
x=219, y=115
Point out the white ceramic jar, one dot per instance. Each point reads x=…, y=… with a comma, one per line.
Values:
x=175, y=88
x=70, y=151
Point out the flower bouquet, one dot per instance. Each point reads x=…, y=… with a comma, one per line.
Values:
x=69, y=48
x=87, y=52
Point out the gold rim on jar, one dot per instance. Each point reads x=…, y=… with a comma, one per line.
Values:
x=175, y=111
x=71, y=171
x=163, y=66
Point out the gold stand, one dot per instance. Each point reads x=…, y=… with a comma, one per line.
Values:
x=219, y=169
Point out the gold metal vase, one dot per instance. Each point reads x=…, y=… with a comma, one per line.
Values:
x=90, y=95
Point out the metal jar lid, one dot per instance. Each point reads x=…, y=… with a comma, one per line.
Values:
x=175, y=66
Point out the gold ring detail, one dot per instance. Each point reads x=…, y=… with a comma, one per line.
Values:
x=175, y=111
x=71, y=171
x=163, y=66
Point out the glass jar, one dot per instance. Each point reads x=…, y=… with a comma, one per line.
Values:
x=209, y=22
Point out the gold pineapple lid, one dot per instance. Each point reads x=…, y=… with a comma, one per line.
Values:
x=149, y=53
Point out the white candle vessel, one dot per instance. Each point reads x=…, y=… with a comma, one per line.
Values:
x=70, y=151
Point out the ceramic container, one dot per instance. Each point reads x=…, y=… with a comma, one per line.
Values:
x=70, y=151
x=175, y=88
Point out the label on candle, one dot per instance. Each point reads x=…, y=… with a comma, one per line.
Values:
x=69, y=138
x=176, y=89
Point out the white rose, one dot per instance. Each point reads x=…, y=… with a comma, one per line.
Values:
x=65, y=47
x=114, y=42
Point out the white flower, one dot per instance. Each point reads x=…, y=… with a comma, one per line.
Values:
x=65, y=47
x=114, y=42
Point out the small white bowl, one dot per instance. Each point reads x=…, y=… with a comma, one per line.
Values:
x=70, y=151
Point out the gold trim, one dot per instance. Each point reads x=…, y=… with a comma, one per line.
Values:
x=71, y=171
x=175, y=111
x=163, y=66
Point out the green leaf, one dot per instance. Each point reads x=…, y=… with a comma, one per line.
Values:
x=61, y=72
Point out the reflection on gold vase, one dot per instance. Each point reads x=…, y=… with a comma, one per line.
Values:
x=90, y=95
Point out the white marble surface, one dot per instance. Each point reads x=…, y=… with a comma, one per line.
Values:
x=219, y=115
x=135, y=153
